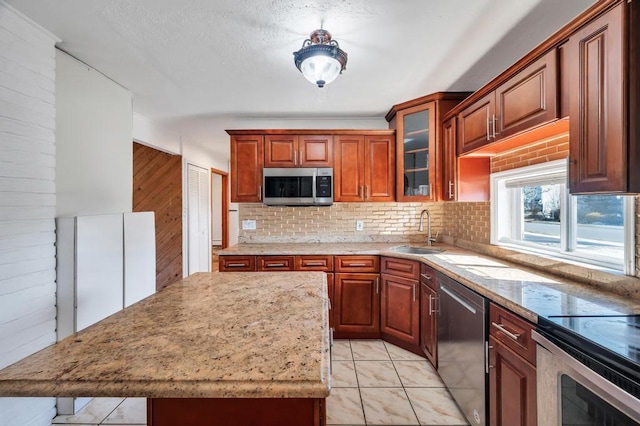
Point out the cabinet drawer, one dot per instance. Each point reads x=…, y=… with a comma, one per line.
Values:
x=276, y=263
x=237, y=263
x=513, y=331
x=314, y=263
x=357, y=263
x=400, y=267
x=428, y=277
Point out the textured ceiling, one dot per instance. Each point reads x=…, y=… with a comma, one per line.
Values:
x=233, y=58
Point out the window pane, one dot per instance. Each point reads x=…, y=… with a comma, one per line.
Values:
x=600, y=225
x=541, y=208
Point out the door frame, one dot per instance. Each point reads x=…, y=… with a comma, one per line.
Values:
x=224, y=206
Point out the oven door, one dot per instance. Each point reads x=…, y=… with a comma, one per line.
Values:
x=569, y=393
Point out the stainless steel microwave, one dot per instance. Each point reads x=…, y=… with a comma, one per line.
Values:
x=297, y=186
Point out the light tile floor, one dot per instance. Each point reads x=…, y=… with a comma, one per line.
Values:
x=373, y=383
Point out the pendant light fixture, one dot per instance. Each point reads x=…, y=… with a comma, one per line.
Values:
x=320, y=59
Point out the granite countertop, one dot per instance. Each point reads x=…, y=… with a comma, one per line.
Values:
x=211, y=335
x=523, y=290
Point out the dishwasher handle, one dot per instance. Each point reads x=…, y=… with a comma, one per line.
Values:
x=458, y=299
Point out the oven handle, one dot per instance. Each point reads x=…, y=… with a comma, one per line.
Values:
x=622, y=400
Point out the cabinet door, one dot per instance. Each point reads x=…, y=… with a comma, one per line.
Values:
x=357, y=306
x=280, y=151
x=598, y=142
x=416, y=153
x=380, y=164
x=246, y=168
x=529, y=98
x=449, y=160
x=429, y=323
x=475, y=124
x=348, y=172
x=400, y=311
x=512, y=386
x=315, y=151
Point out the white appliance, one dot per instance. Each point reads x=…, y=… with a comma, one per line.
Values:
x=104, y=263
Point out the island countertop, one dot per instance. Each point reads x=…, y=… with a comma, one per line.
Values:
x=211, y=335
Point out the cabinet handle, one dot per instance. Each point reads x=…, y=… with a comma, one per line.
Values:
x=378, y=285
x=503, y=329
x=314, y=264
x=450, y=190
x=426, y=277
x=362, y=192
x=487, y=366
x=414, y=292
x=295, y=158
x=494, y=125
x=488, y=132
x=430, y=303
x=236, y=265
x=260, y=192
x=274, y=265
x=430, y=190
x=352, y=265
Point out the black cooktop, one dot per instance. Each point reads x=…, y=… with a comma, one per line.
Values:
x=596, y=341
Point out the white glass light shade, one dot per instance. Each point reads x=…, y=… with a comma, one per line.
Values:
x=320, y=70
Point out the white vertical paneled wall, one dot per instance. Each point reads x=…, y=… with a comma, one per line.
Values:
x=27, y=203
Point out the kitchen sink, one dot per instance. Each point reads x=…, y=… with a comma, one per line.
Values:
x=417, y=250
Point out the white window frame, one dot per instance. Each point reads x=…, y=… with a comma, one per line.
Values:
x=505, y=224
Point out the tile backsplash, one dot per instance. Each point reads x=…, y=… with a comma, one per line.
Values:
x=383, y=222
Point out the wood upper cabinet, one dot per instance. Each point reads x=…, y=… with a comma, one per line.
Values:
x=526, y=100
x=416, y=153
x=364, y=168
x=475, y=124
x=246, y=168
x=601, y=150
x=449, y=160
x=287, y=150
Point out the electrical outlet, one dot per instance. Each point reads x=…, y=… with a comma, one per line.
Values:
x=249, y=225
x=359, y=225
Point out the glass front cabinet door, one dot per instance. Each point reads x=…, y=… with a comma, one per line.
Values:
x=416, y=153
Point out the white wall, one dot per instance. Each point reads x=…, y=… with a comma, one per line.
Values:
x=27, y=203
x=94, y=160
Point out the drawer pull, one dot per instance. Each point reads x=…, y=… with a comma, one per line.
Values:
x=352, y=265
x=502, y=328
x=275, y=265
x=426, y=277
x=236, y=265
x=314, y=264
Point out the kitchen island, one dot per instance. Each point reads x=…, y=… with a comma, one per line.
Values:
x=236, y=348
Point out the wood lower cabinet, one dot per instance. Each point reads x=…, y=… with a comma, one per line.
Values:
x=512, y=369
x=429, y=314
x=247, y=160
x=236, y=411
x=237, y=264
x=512, y=387
x=357, y=305
x=400, y=310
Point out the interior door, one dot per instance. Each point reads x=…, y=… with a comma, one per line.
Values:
x=198, y=225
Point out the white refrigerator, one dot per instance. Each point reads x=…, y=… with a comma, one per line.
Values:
x=104, y=263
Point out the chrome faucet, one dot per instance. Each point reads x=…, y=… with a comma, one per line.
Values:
x=421, y=227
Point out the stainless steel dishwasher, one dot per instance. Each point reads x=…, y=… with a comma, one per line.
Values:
x=461, y=347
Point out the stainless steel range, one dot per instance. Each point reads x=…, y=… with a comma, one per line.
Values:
x=588, y=370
